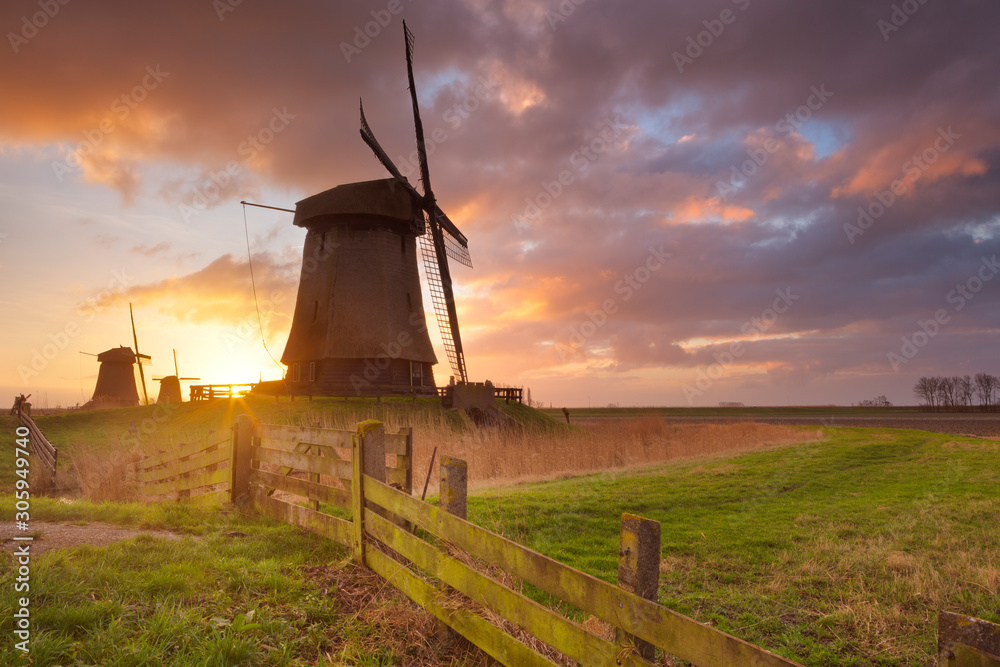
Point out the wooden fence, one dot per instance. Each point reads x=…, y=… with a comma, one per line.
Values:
x=199, y=474
x=47, y=453
x=275, y=468
x=382, y=537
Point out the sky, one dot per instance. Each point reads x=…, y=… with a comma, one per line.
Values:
x=679, y=204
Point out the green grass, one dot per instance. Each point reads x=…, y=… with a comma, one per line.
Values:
x=839, y=552
x=234, y=590
x=834, y=553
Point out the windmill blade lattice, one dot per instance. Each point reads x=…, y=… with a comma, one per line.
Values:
x=438, y=298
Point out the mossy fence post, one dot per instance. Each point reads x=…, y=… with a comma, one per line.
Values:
x=454, y=492
x=243, y=442
x=453, y=496
x=367, y=458
x=639, y=569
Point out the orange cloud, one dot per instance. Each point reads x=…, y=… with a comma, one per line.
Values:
x=697, y=209
x=219, y=293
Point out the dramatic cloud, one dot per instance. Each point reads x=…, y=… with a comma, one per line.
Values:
x=218, y=293
x=824, y=176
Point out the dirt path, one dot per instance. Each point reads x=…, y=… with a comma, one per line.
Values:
x=52, y=536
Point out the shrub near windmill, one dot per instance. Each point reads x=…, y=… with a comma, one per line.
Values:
x=359, y=326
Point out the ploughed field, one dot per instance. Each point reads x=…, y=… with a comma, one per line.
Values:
x=980, y=425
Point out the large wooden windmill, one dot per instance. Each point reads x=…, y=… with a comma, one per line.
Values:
x=359, y=325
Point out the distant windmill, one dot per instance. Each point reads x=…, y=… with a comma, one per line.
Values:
x=359, y=326
x=170, y=386
x=115, y=380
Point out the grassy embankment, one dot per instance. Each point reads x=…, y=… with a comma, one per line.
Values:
x=836, y=552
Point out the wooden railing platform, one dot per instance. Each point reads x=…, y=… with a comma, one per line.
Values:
x=206, y=392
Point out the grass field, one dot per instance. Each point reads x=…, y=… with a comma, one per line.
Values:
x=836, y=551
x=839, y=552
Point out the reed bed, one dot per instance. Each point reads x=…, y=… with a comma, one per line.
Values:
x=503, y=456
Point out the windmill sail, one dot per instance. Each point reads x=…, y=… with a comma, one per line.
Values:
x=139, y=357
x=441, y=310
x=445, y=239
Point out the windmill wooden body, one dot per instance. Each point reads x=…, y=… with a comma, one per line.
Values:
x=115, y=380
x=170, y=386
x=359, y=326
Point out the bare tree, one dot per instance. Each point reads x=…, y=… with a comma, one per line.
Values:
x=986, y=386
x=924, y=390
x=935, y=388
x=945, y=392
x=964, y=390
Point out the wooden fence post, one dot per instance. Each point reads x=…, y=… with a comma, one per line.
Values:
x=367, y=458
x=453, y=497
x=454, y=486
x=239, y=485
x=406, y=460
x=639, y=568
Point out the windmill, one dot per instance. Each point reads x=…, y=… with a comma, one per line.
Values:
x=115, y=380
x=170, y=386
x=359, y=326
x=445, y=238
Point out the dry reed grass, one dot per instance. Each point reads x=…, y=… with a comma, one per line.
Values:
x=105, y=476
x=498, y=457
x=503, y=457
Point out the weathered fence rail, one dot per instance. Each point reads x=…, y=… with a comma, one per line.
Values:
x=197, y=473
x=47, y=453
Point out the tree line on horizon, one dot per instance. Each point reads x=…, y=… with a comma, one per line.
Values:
x=958, y=392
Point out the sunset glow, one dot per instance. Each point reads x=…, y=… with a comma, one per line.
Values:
x=631, y=214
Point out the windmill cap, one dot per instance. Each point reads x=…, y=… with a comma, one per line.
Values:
x=121, y=355
x=385, y=198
